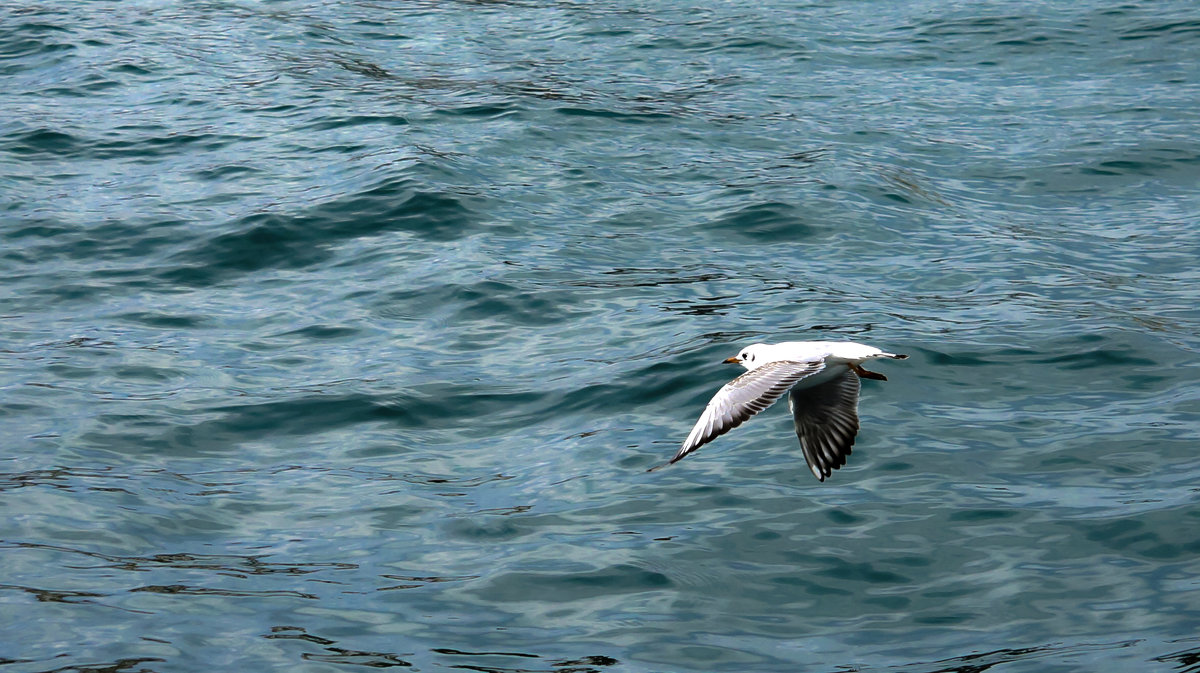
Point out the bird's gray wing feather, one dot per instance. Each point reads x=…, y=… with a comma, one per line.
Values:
x=744, y=397
x=826, y=418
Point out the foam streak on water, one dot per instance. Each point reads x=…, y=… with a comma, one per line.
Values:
x=341, y=334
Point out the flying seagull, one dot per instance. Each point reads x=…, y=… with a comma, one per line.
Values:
x=823, y=379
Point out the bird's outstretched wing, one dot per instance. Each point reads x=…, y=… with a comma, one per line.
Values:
x=826, y=417
x=744, y=397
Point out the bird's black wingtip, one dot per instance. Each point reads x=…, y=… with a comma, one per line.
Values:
x=900, y=356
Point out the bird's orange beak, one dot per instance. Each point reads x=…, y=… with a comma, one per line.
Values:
x=733, y=361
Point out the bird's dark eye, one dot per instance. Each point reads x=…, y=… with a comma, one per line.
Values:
x=745, y=356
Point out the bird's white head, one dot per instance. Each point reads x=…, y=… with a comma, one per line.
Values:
x=751, y=356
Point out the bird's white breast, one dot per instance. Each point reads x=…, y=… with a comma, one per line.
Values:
x=837, y=356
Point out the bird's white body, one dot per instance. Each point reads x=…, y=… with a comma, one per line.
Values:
x=823, y=380
x=832, y=353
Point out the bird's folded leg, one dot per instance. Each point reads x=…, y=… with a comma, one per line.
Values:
x=866, y=374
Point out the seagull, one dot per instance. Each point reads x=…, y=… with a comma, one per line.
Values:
x=823, y=379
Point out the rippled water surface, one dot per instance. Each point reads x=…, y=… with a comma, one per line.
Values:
x=339, y=335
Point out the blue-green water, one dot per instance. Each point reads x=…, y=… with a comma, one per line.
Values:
x=338, y=335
